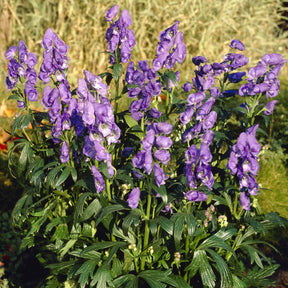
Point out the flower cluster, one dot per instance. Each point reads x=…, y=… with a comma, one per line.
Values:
x=243, y=163
x=155, y=138
x=262, y=79
x=22, y=67
x=119, y=36
x=170, y=49
x=55, y=61
x=143, y=86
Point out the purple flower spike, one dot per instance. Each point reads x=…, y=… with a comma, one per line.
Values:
x=98, y=179
x=195, y=196
x=112, y=12
x=133, y=198
x=244, y=201
x=269, y=107
x=237, y=44
x=64, y=153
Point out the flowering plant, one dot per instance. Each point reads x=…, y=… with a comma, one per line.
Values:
x=158, y=195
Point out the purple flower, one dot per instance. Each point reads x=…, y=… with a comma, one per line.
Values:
x=30, y=91
x=257, y=71
x=31, y=60
x=205, y=109
x=272, y=59
x=159, y=174
x=269, y=107
x=64, y=153
x=196, y=98
x=207, y=138
x=112, y=12
x=187, y=87
x=163, y=156
x=148, y=140
x=167, y=208
x=164, y=127
x=209, y=120
x=98, y=179
x=236, y=77
x=195, y=196
x=214, y=92
x=127, y=151
x=155, y=113
x=191, y=155
x=163, y=142
x=244, y=201
x=205, y=154
x=198, y=60
x=22, y=52
x=187, y=115
x=133, y=198
x=10, y=53
x=237, y=44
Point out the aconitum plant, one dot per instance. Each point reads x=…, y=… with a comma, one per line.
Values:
x=162, y=194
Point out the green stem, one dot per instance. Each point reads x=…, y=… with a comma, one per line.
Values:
x=147, y=231
x=107, y=184
x=116, y=97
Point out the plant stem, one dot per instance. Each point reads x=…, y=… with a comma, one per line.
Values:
x=107, y=184
x=147, y=231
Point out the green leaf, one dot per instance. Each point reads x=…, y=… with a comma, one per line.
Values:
x=79, y=205
x=254, y=254
x=178, y=230
x=156, y=278
x=61, y=233
x=102, y=277
x=103, y=167
x=91, y=255
x=26, y=120
x=25, y=157
x=85, y=271
x=225, y=273
x=181, y=283
x=166, y=224
x=93, y=209
x=64, y=175
x=130, y=219
x=126, y=281
x=171, y=75
x=17, y=97
x=67, y=247
x=191, y=224
x=162, y=192
x=87, y=183
x=108, y=210
x=237, y=283
x=217, y=241
x=131, y=122
x=116, y=71
x=53, y=173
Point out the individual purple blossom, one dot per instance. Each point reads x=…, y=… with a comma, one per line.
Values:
x=214, y=92
x=159, y=174
x=148, y=140
x=167, y=208
x=11, y=52
x=22, y=52
x=112, y=12
x=207, y=138
x=199, y=60
x=163, y=142
x=256, y=71
x=187, y=115
x=236, y=77
x=64, y=152
x=187, y=87
x=195, y=196
x=98, y=179
x=209, y=120
x=237, y=44
x=205, y=108
x=272, y=59
x=269, y=107
x=155, y=113
x=244, y=201
x=30, y=91
x=134, y=197
x=163, y=156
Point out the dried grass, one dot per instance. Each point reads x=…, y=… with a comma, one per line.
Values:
x=208, y=27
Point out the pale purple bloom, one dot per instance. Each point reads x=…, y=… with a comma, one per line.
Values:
x=205, y=154
x=196, y=98
x=64, y=152
x=31, y=60
x=209, y=120
x=159, y=174
x=244, y=201
x=274, y=89
x=167, y=208
x=214, y=92
x=163, y=156
x=148, y=140
x=64, y=92
x=207, y=138
x=191, y=155
x=187, y=87
x=163, y=142
x=155, y=113
x=30, y=91
x=22, y=52
x=187, y=115
x=98, y=179
x=10, y=53
x=272, y=59
x=112, y=12
x=269, y=107
x=237, y=44
x=205, y=109
x=134, y=197
x=256, y=71
x=164, y=127
x=195, y=196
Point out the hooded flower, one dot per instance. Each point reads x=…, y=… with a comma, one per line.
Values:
x=98, y=179
x=195, y=196
x=133, y=198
